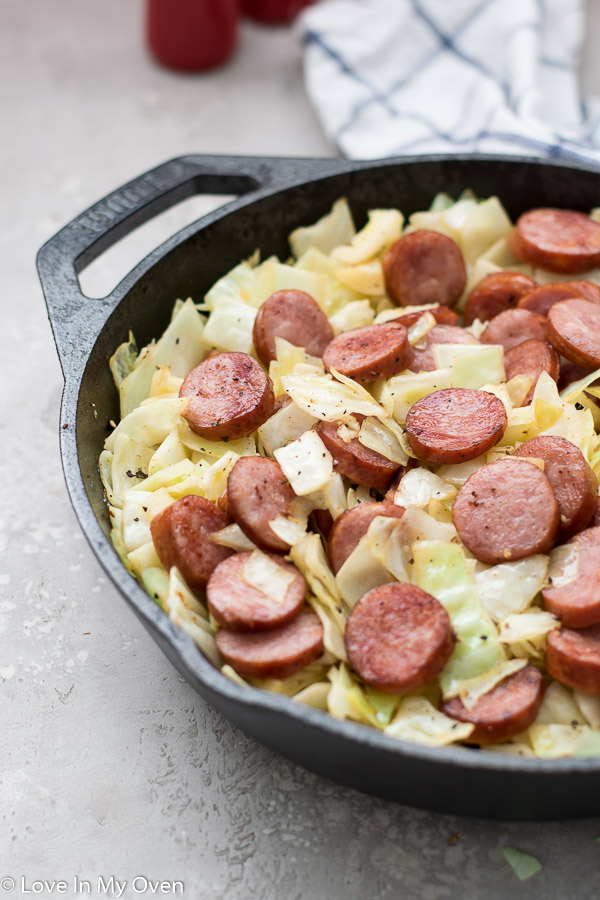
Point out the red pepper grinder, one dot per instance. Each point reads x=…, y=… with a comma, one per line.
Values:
x=275, y=12
x=192, y=34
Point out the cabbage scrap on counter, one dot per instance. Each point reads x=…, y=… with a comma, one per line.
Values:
x=152, y=458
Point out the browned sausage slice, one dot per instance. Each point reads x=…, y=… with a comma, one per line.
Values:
x=443, y=315
x=543, y=298
x=369, y=353
x=294, y=316
x=398, y=638
x=273, y=654
x=508, y=709
x=455, y=425
x=352, y=525
x=531, y=358
x=577, y=603
x=423, y=359
x=424, y=267
x=596, y=520
x=505, y=511
x=181, y=535
x=574, y=484
x=358, y=463
x=561, y=240
x=513, y=327
x=258, y=492
x=238, y=606
x=495, y=293
x=230, y=396
x=574, y=330
x=573, y=658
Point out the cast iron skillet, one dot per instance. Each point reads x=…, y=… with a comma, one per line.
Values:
x=276, y=196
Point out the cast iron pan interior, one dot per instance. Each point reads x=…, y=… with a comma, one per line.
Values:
x=276, y=196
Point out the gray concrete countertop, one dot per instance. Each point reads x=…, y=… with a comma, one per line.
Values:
x=111, y=764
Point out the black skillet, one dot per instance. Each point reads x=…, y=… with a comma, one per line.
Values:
x=276, y=195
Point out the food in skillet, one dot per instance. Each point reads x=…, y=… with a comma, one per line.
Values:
x=368, y=477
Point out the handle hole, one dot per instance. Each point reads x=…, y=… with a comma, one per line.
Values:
x=104, y=273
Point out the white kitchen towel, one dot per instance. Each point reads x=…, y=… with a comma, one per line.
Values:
x=398, y=77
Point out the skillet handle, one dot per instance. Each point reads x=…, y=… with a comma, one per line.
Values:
x=75, y=318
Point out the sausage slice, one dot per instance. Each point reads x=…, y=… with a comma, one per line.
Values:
x=352, y=525
x=443, y=315
x=561, y=240
x=495, y=293
x=574, y=330
x=512, y=327
x=238, y=606
x=508, y=709
x=543, y=298
x=273, y=654
x=531, y=358
x=574, y=484
x=423, y=359
x=294, y=316
x=230, y=396
x=577, y=603
x=369, y=353
x=181, y=535
x=455, y=425
x=424, y=267
x=398, y=638
x=258, y=492
x=573, y=658
x=505, y=511
x=358, y=463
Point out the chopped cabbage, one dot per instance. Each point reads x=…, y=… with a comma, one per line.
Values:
x=419, y=486
x=149, y=425
x=555, y=741
x=522, y=864
x=347, y=700
x=363, y=570
x=563, y=565
x=172, y=474
x=527, y=626
x=156, y=584
x=230, y=324
x=510, y=587
x=381, y=231
x=181, y=347
x=285, y=426
x=333, y=632
x=328, y=399
x=407, y=388
x=441, y=570
x=123, y=360
x=472, y=690
x=418, y=721
x=234, y=285
x=355, y=314
x=383, y=438
x=471, y=365
x=306, y=462
x=589, y=704
x=211, y=450
x=139, y=508
x=129, y=467
x=187, y=612
x=315, y=695
x=333, y=229
x=291, y=359
x=364, y=279
x=266, y=576
x=289, y=530
x=232, y=536
x=171, y=451
x=421, y=328
x=559, y=707
x=144, y=557
x=214, y=478
x=308, y=556
x=164, y=382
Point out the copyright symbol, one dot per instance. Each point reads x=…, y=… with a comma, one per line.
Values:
x=7, y=884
